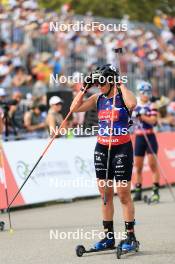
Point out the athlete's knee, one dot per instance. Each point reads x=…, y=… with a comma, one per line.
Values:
x=153, y=166
x=138, y=169
x=124, y=197
x=109, y=193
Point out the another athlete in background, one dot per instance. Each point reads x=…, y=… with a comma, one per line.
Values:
x=121, y=158
x=146, y=113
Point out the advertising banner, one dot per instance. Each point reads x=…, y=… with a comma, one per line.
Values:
x=66, y=171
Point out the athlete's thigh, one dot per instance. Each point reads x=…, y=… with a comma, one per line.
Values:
x=152, y=147
x=138, y=162
x=100, y=162
x=152, y=160
x=101, y=183
x=140, y=146
x=122, y=162
x=124, y=189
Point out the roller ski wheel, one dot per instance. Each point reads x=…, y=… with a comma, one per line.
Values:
x=137, y=195
x=134, y=247
x=137, y=246
x=99, y=247
x=80, y=250
x=145, y=198
x=155, y=198
x=119, y=252
x=2, y=226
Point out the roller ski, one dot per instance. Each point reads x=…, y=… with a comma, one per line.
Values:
x=130, y=244
x=2, y=226
x=103, y=245
x=154, y=198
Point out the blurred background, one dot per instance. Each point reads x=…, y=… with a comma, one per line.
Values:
x=30, y=53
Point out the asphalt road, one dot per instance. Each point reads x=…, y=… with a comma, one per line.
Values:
x=31, y=244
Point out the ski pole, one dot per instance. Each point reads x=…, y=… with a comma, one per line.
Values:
x=158, y=162
x=5, y=185
x=47, y=147
x=110, y=144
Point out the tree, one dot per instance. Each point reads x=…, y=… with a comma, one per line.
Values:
x=141, y=10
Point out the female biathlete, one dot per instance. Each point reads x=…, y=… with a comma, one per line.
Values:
x=146, y=141
x=121, y=156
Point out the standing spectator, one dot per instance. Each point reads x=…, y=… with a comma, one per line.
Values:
x=39, y=88
x=16, y=114
x=56, y=64
x=44, y=67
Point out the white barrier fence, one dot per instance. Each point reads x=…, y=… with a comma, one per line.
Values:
x=65, y=172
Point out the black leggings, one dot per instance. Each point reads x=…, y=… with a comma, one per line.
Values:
x=121, y=162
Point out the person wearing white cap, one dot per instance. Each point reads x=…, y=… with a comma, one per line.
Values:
x=54, y=117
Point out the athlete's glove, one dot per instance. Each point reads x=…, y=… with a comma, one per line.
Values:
x=136, y=113
x=143, y=111
x=87, y=84
x=139, y=112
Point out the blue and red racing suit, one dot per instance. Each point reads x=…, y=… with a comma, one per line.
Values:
x=120, y=133
x=141, y=146
x=121, y=155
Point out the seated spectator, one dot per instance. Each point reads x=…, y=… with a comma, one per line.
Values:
x=34, y=122
x=54, y=117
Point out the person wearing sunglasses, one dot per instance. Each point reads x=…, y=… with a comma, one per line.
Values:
x=146, y=142
x=120, y=167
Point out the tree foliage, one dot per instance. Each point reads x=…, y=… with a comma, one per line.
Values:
x=141, y=10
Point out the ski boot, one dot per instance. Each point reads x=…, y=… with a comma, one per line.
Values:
x=105, y=243
x=127, y=245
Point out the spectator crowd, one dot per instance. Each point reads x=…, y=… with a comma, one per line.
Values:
x=30, y=53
